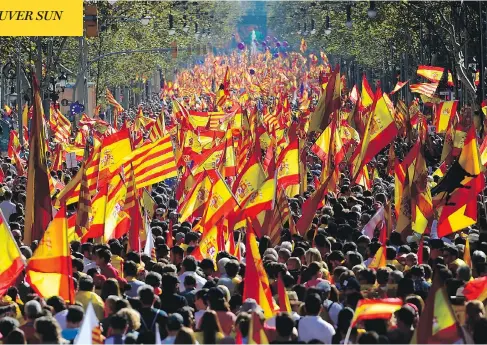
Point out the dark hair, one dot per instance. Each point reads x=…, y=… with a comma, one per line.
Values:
x=104, y=254
x=78, y=264
x=110, y=287
x=8, y=324
x=177, y=250
x=153, y=279
x=232, y=268
x=118, y=322
x=16, y=336
x=312, y=304
x=133, y=256
x=129, y=268
x=57, y=303
x=86, y=283
x=284, y=324
x=210, y=326
x=369, y=338
x=189, y=281
x=170, y=283
x=48, y=329
x=146, y=295
x=189, y=264
x=75, y=314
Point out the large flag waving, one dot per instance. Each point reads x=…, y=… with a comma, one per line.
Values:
x=11, y=264
x=49, y=271
x=459, y=189
x=380, y=131
x=437, y=323
x=256, y=281
x=38, y=207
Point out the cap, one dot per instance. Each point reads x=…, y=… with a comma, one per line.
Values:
x=175, y=321
x=251, y=305
x=324, y=286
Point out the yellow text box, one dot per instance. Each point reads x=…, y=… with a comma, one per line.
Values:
x=41, y=17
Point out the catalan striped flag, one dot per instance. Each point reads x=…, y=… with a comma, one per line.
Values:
x=427, y=89
x=278, y=216
x=158, y=130
x=152, y=163
x=399, y=86
x=432, y=73
x=60, y=126
x=84, y=201
x=11, y=264
x=117, y=108
x=143, y=122
x=90, y=331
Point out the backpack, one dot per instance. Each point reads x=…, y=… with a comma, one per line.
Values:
x=325, y=314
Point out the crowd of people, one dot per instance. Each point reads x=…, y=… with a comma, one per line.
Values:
x=173, y=298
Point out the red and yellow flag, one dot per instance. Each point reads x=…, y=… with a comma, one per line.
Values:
x=380, y=131
x=444, y=113
x=284, y=304
x=256, y=331
x=11, y=264
x=476, y=289
x=49, y=271
x=369, y=309
x=367, y=95
x=288, y=165
x=431, y=73
x=256, y=280
x=38, y=208
x=114, y=149
x=437, y=323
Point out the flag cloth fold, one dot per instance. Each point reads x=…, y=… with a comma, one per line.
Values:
x=49, y=270
x=256, y=280
x=369, y=309
x=38, y=207
x=11, y=264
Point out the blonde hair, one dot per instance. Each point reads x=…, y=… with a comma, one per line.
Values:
x=311, y=255
x=132, y=316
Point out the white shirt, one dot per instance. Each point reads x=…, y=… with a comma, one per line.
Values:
x=8, y=208
x=200, y=281
x=88, y=264
x=61, y=318
x=314, y=327
x=333, y=310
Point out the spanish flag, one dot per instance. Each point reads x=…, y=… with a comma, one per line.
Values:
x=477, y=78
x=444, y=113
x=460, y=209
x=49, y=271
x=380, y=131
x=11, y=264
x=208, y=246
x=117, y=191
x=450, y=79
x=261, y=199
x=437, y=323
x=38, y=208
x=399, y=86
x=369, y=309
x=431, y=73
x=114, y=149
x=193, y=204
x=288, y=165
x=220, y=202
x=249, y=179
x=367, y=95
x=476, y=289
x=256, y=281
